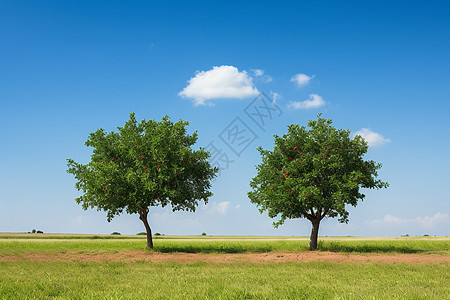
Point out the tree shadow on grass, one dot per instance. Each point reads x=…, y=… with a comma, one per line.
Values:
x=209, y=249
x=337, y=247
x=322, y=246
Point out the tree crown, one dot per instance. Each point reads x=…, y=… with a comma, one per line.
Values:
x=313, y=173
x=144, y=164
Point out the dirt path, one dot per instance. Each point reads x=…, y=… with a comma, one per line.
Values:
x=130, y=256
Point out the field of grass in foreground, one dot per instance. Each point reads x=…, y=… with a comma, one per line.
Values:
x=288, y=280
x=17, y=244
x=143, y=280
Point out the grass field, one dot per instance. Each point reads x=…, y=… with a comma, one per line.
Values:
x=13, y=244
x=139, y=280
x=33, y=279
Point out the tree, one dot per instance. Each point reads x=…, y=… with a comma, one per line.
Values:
x=143, y=165
x=313, y=174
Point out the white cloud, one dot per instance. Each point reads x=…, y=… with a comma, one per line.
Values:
x=219, y=82
x=214, y=207
x=373, y=139
x=223, y=207
x=430, y=222
x=395, y=220
x=301, y=79
x=314, y=101
x=275, y=97
x=423, y=222
x=258, y=72
x=260, y=75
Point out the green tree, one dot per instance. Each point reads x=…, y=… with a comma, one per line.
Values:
x=144, y=164
x=313, y=173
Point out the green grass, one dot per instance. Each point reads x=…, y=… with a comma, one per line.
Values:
x=56, y=236
x=197, y=244
x=144, y=280
x=28, y=279
x=425, y=246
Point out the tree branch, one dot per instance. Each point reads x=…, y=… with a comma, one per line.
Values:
x=324, y=213
x=318, y=214
x=309, y=217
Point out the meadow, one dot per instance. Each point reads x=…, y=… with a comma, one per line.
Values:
x=25, y=278
x=13, y=244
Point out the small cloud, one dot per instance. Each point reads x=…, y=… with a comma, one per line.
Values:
x=430, y=222
x=301, y=79
x=219, y=82
x=258, y=72
x=260, y=75
x=275, y=96
x=389, y=220
x=372, y=138
x=423, y=222
x=223, y=207
x=314, y=101
x=214, y=207
x=238, y=206
x=395, y=220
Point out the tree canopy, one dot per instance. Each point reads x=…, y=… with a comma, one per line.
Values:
x=144, y=164
x=313, y=173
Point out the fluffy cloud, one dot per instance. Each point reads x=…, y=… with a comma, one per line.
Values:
x=373, y=139
x=275, y=97
x=301, y=79
x=423, y=222
x=214, y=207
x=430, y=222
x=260, y=75
x=258, y=72
x=389, y=219
x=223, y=207
x=219, y=82
x=313, y=102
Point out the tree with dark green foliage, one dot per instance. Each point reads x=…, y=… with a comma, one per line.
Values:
x=313, y=173
x=144, y=164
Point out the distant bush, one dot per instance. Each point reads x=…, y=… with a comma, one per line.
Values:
x=203, y=233
x=115, y=233
x=405, y=235
x=141, y=233
x=157, y=234
x=33, y=231
x=38, y=231
x=426, y=235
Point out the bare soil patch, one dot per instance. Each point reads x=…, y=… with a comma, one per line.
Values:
x=156, y=257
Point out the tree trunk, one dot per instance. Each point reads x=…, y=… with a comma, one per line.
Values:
x=143, y=216
x=314, y=235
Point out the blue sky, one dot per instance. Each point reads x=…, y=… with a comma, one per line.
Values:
x=376, y=67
